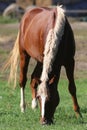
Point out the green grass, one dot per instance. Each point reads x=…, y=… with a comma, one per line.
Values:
x=12, y=119
x=5, y=20
x=6, y=29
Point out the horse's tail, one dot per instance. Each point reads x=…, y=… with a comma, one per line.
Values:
x=12, y=62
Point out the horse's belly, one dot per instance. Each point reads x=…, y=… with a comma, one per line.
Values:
x=35, y=53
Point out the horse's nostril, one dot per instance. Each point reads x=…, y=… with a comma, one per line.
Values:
x=45, y=121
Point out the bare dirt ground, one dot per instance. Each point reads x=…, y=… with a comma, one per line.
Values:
x=8, y=34
x=80, y=33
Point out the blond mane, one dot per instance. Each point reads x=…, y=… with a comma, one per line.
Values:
x=52, y=42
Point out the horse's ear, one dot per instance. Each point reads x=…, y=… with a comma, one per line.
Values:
x=52, y=80
x=38, y=81
x=37, y=96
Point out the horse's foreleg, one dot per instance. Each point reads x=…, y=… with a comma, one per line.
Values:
x=34, y=83
x=72, y=87
x=34, y=92
x=24, y=60
x=22, y=102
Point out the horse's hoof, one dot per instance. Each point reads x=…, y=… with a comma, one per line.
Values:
x=78, y=114
x=79, y=117
x=22, y=110
x=34, y=103
x=23, y=107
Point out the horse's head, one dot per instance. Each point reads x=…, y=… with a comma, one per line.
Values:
x=48, y=99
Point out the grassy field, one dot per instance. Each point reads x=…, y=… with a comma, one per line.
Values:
x=10, y=116
x=12, y=119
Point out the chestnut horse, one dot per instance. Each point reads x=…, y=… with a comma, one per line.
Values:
x=45, y=35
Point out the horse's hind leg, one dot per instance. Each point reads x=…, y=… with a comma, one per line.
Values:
x=24, y=61
x=72, y=88
x=34, y=82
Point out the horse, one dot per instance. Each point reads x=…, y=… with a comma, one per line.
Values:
x=45, y=35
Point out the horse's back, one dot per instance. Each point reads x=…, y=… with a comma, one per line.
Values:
x=34, y=28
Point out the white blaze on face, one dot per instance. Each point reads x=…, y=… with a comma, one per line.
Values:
x=43, y=100
x=43, y=94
